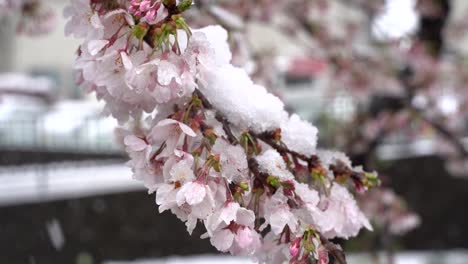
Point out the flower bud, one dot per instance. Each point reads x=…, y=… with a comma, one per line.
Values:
x=273, y=181
x=371, y=180
x=244, y=186
x=295, y=247
x=140, y=30
x=184, y=5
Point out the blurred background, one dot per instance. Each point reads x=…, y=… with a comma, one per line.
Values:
x=383, y=80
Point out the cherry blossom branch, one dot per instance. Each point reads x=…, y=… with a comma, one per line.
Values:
x=190, y=152
x=340, y=170
x=334, y=250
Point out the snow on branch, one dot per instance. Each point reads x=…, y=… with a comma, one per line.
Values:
x=216, y=148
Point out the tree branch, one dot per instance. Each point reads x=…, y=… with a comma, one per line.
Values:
x=266, y=137
x=443, y=131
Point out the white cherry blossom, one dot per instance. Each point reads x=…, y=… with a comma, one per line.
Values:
x=278, y=213
x=84, y=22
x=233, y=160
x=171, y=133
x=340, y=217
x=187, y=109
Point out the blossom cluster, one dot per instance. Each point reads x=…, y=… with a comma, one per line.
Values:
x=428, y=71
x=32, y=16
x=216, y=148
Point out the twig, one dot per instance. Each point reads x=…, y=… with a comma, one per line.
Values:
x=444, y=132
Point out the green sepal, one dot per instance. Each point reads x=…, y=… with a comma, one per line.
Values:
x=184, y=5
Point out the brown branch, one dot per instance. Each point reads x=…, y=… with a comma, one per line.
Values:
x=332, y=249
x=338, y=169
x=443, y=131
x=254, y=168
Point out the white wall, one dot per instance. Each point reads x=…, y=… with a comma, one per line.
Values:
x=52, y=51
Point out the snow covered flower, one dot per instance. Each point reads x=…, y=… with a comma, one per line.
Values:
x=273, y=164
x=226, y=214
x=200, y=198
x=272, y=251
x=308, y=198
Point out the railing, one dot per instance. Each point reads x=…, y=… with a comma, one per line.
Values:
x=63, y=180
x=69, y=135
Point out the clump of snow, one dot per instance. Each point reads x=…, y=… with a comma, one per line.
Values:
x=328, y=157
x=246, y=105
x=217, y=36
x=272, y=163
x=299, y=135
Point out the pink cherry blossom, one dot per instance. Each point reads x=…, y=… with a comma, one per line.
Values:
x=217, y=149
x=171, y=133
